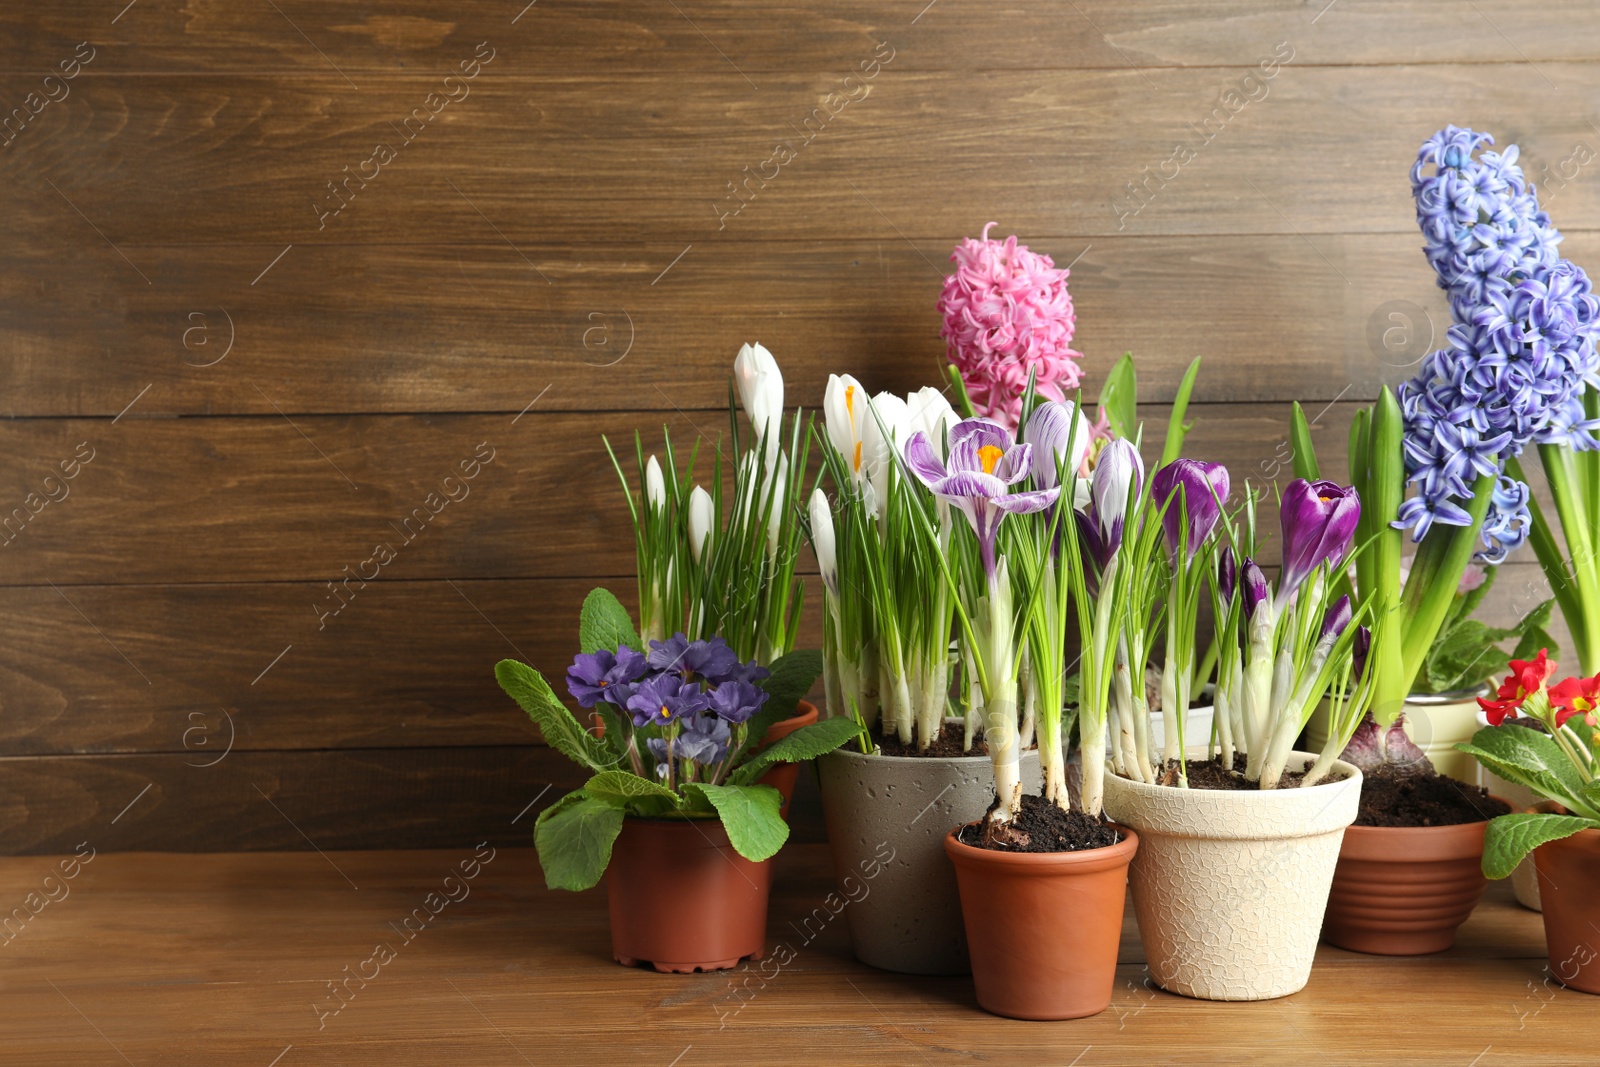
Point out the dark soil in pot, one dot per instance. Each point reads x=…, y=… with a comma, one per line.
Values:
x=946, y=745
x=1041, y=826
x=1211, y=774
x=1416, y=795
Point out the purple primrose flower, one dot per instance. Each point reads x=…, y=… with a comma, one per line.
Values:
x=666, y=698
x=736, y=701
x=710, y=659
x=603, y=675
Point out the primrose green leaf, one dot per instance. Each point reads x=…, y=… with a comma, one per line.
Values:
x=605, y=623
x=574, y=840
x=560, y=727
x=750, y=814
x=808, y=742
x=791, y=679
x=1509, y=838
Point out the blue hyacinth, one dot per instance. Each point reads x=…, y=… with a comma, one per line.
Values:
x=1521, y=349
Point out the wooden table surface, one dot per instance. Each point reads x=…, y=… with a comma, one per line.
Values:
x=161, y=958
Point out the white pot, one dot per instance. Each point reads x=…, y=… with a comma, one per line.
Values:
x=1524, y=879
x=1230, y=885
x=1435, y=722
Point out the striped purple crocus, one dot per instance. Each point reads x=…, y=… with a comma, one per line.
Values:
x=984, y=463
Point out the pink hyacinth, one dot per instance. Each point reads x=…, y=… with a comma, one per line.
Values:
x=1007, y=312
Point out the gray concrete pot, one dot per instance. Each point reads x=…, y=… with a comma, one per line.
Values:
x=887, y=819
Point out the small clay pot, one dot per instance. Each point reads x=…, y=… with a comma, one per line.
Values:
x=682, y=899
x=1569, y=885
x=782, y=776
x=1403, y=890
x=1043, y=927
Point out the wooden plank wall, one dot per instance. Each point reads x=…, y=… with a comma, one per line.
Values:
x=578, y=211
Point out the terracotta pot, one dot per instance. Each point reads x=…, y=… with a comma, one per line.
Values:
x=782, y=777
x=682, y=899
x=1435, y=722
x=1569, y=886
x=887, y=817
x=1043, y=927
x=1230, y=885
x=1403, y=890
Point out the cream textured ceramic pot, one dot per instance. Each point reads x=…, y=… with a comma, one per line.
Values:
x=887, y=819
x=1435, y=722
x=1230, y=885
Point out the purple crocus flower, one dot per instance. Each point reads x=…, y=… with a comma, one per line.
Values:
x=984, y=464
x=711, y=659
x=736, y=701
x=1319, y=521
x=603, y=675
x=1053, y=428
x=1194, y=488
x=1227, y=573
x=1254, y=584
x=1118, y=475
x=665, y=698
x=1335, y=619
x=1361, y=647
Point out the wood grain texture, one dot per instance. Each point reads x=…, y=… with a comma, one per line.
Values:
x=471, y=328
x=237, y=951
x=550, y=162
x=207, y=38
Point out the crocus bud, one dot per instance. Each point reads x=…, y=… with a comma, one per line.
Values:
x=655, y=488
x=1335, y=619
x=1204, y=489
x=775, y=515
x=1118, y=475
x=1227, y=573
x=760, y=384
x=881, y=435
x=1319, y=521
x=1254, y=584
x=927, y=410
x=822, y=538
x=1059, y=435
x=844, y=410
x=700, y=515
x=1360, y=649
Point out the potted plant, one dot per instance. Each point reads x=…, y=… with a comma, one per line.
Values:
x=720, y=564
x=888, y=614
x=1041, y=884
x=674, y=807
x=1513, y=373
x=1239, y=836
x=1544, y=737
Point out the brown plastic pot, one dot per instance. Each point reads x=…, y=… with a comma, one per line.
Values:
x=1569, y=886
x=1403, y=890
x=782, y=776
x=1043, y=927
x=682, y=899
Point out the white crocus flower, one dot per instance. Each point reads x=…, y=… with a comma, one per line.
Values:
x=885, y=429
x=700, y=516
x=655, y=487
x=822, y=542
x=760, y=384
x=929, y=411
x=844, y=410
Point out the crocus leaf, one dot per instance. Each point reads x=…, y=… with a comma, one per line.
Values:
x=1177, y=429
x=624, y=787
x=750, y=814
x=792, y=677
x=1530, y=758
x=1119, y=397
x=574, y=838
x=808, y=742
x=1304, y=453
x=605, y=623
x=561, y=729
x=1509, y=838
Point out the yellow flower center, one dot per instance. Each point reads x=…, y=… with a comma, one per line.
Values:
x=989, y=455
x=850, y=401
x=858, y=457
x=665, y=714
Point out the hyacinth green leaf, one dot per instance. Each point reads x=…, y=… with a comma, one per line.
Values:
x=573, y=837
x=605, y=624
x=750, y=813
x=1509, y=838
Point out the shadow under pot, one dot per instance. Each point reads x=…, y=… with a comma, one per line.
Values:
x=682, y=899
x=1230, y=885
x=1404, y=890
x=1569, y=886
x=887, y=817
x=1043, y=927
